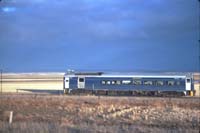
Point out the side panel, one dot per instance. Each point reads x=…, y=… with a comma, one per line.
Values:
x=97, y=83
x=73, y=82
x=127, y=83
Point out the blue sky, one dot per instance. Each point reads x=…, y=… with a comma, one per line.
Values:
x=117, y=35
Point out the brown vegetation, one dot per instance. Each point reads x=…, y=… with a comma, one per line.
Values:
x=47, y=113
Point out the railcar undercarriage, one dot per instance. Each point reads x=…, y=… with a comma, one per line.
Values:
x=106, y=92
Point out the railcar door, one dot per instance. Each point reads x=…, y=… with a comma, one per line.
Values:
x=66, y=83
x=188, y=84
x=81, y=82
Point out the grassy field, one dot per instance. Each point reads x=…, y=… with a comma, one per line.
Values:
x=51, y=113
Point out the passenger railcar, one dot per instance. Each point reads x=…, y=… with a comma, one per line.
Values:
x=133, y=83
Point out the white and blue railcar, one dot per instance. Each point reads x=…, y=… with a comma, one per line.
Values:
x=99, y=81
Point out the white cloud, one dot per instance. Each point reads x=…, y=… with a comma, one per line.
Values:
x=8, y=9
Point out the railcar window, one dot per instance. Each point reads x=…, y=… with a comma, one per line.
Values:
x=178, y=83
x=148, y=82
x=159, y=83
x=118, y=82
x=170, y=83
x=103, y=82
x=126, y=82
x=81, y=79
x=137, y=82
x=188, y=80
x=108, y=82
x=114, y=82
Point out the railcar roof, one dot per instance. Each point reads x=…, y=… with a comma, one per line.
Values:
x=131, y=74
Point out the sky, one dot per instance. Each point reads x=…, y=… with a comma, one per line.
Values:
x=112, y=35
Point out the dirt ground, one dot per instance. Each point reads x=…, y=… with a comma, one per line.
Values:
x=53, y=113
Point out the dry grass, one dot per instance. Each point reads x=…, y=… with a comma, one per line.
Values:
x=39, y=127
x=46, y=113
